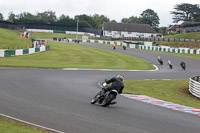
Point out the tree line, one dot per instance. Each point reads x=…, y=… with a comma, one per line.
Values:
x=182, y=12
x=93, y=21
x=49, y=17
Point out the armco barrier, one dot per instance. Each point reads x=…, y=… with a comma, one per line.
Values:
x=13, y=52
x=194, y=86
x=25, y=51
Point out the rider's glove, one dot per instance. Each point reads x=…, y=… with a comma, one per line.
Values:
x=104, y=84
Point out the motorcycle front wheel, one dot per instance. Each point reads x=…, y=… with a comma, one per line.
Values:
x=95, y=98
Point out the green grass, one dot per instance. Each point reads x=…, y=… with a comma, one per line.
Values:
x=192, y=35
x=66, y=55
x=194, y=56
x=181, y=44
x=11, y=39
x=8, y=126
x=43, y=35
x=175, y=91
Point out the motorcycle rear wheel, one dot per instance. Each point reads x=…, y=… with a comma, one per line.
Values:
x=108, y=100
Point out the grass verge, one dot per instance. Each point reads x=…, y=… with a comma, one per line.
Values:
x=175, y=91
x=11, y=39
x=192, y=35
x=194, y=56
x=9, y=126
x=195, y=45
x=66, y=55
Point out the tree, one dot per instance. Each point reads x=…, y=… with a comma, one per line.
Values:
x=11, y=17
x=99, y=19
x=24, y=17
x=48, y=17
x=132, y=19
x=113, y=21
x=186, y=12
x=1, y=16
x=150, y=17
x=85, y=20
x=162, y=30
x=66, y=20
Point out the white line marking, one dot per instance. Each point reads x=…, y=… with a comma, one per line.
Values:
x=119, y=70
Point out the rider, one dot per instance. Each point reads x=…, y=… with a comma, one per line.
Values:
x=124, y=46
x=114, y=46
x=170, y=64
x=182, y=64
x=117, y=84
x=159, y=58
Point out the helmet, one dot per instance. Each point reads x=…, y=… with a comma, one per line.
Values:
x=120, y=77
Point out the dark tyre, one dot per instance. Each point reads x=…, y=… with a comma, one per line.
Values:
x=170, y=66
x=161, y=62
x=107, y=100
x=95, y=98
x=183, y=67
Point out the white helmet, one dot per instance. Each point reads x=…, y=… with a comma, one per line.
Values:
x=120, y=77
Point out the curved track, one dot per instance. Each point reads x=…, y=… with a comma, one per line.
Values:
x=61, y=99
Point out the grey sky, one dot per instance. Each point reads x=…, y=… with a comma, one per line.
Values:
x=113, y=9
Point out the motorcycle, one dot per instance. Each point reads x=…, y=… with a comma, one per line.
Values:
x=105, y=99
x=170, y=66
x=124, y=47
x=183, y=66
x=160, y=61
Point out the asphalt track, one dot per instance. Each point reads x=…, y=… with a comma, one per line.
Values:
x=60, y=99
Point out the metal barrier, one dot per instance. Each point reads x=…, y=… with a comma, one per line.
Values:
x=194, y=86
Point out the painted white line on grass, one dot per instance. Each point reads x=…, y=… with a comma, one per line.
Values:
x=120, y=70
x=31, y=124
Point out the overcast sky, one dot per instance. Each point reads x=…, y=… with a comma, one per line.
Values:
x=113, y=9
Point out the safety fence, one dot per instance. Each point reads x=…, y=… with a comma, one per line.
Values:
x=56, y=27
x=15, y=52
x=59, y=31
x=149, y=47
x=194, y=86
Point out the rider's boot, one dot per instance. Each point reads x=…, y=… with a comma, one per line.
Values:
x=113, y=102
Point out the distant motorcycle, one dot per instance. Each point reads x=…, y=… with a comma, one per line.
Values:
x=160, y=61
x=183, y=65
x=114, y=46
x=170, y=66
x=124, y=47
x=105, y=99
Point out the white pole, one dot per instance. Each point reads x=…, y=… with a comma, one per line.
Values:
x=77, y=29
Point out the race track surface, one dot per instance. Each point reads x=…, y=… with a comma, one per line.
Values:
x=60, y=99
